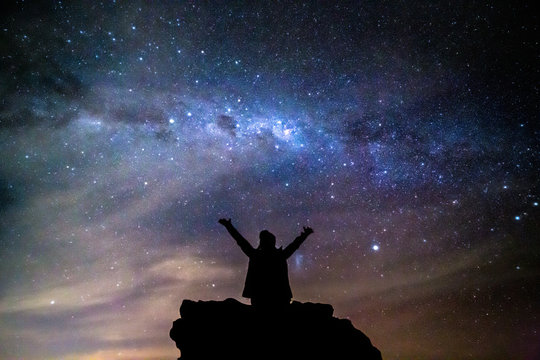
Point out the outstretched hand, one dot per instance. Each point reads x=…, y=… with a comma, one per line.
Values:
x=225, y=222
x=307, y=231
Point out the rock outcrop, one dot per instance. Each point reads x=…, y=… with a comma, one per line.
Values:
x=232, y=330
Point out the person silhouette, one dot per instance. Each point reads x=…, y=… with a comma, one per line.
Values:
x=267, y=280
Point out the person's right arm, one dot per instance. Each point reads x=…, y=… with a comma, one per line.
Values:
x=292, y=247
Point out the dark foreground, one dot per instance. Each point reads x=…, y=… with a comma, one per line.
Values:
x=232, y=330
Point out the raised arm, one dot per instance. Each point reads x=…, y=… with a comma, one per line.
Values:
x=240, y=240
x=292, y=247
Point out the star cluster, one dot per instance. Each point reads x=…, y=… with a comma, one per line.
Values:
x=404, y=133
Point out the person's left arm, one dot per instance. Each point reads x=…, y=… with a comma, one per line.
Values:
x=240, y=240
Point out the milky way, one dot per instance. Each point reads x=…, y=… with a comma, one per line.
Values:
x=406, y=135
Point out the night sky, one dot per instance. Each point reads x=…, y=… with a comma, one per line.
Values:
x=405, y=133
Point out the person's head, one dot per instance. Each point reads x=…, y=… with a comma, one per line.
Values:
x=267, y=240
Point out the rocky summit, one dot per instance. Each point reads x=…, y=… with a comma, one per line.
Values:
x=231, y=330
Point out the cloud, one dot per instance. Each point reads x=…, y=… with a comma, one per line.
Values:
x=112, y=308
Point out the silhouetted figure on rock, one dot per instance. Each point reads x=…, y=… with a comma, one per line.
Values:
x=267, y=279
x=273, y=327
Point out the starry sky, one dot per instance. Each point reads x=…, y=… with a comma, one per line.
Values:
x=405, y=133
